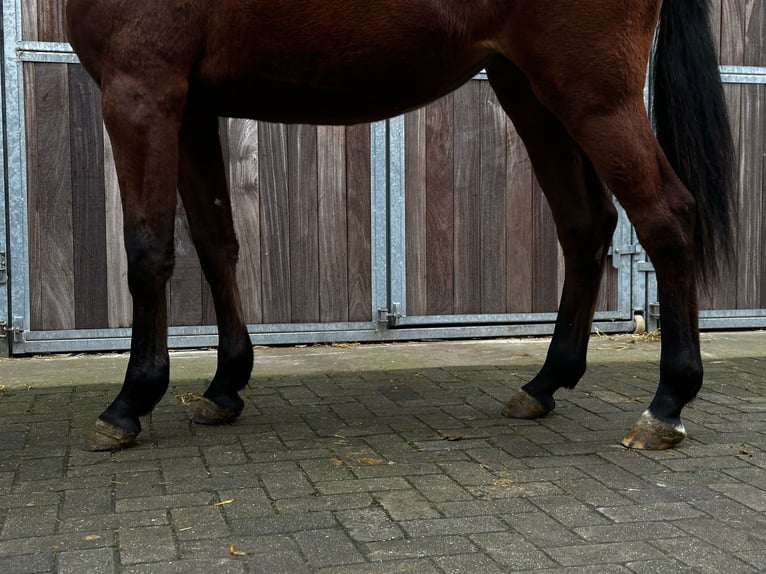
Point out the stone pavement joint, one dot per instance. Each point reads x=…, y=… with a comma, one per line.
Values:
x=393, y=458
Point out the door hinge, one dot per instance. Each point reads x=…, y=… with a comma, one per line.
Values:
x=16, y=330
x=3, y=268
x=389, y=317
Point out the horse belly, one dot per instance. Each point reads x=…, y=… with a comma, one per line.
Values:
x=334, y=68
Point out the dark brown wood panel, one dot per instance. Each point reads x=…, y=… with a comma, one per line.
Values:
x=242, y=143
x=468, y=163
x=88, y=203
x=304, y=224
x=743, y=283
x=333, y=229
x=43, y=20
x=275, y=223
x=358, y=174
x=49, y=196
x=440, y=209
x=742, y=32
x=416, y=169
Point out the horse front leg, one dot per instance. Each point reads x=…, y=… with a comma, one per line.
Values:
x=142, y=120
x=204, y=192
x=585, y=220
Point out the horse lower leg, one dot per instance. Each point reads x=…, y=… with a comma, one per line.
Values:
x=204, y=191
x=585, y=220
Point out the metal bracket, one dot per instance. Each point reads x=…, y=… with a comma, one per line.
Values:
x=3, y=268
x=390, y=318
x=631, y=249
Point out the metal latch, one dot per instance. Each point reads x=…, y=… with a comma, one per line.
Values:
x=3, y=268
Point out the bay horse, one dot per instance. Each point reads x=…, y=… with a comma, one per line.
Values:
x=569, y=73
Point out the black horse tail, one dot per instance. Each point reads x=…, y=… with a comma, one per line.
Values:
x=690, y=117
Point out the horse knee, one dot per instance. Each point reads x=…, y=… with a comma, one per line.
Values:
x=150, y=261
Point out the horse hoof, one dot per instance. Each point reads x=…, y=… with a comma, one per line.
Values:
x=104, y=437
x=650, y=433
x=210, y=413
x=524, y=406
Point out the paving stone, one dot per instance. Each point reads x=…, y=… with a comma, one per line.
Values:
x=286, y=484
x=327, y=547
x=512, y=551
x=198, y=522
x=746, y=494
x=38, y=563
x=100, y=560
x=147, y=544
x=423, y=566
x=418, y=548
x=469, y=563
x=197, y=566
x=616, y=553
x=369, y=525
x=701, y=556
x=440, y=488
x=29, y=522
x=406, y=505
x=649, y=512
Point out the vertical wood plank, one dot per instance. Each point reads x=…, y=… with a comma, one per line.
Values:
x=49, y=179
x=732, y=32
x=467, y=140
x=545, y=268
x=304, y=247
x=415, y=169
x=50, y=20
x=750, y=225
x=358, y=174
x=760, y=129
x=440, y=205
x=118, y=294
x=755, y=33
x=519, y=250
x=29, y=20
x=333, y=226
x=275, y=223
x=245, y=189
x=88, y=202
x=492, y=189
x=185, y=286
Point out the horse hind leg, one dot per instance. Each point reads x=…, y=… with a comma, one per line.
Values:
x=585, y=220
x=205, y=195
x=620, y=143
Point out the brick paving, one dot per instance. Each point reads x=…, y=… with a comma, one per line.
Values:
x=387, y=459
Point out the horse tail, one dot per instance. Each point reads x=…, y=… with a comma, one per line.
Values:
x=690, y=117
